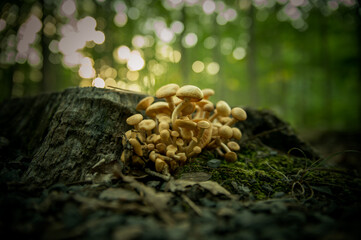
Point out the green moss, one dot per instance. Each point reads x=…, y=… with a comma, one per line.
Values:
x=264, y=172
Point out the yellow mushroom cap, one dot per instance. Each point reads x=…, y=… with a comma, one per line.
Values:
x=188, y=109
x=167, y=90
x=239, y=114
x=203, y=124
x=136, y=146
x=189, y=124
x=147, y=124
x=225, y=132
x=230, y=156
x=233, y=146
x=237, y=134
x=157, y=108
x=223, y=108
x=190, y=92
x=207, y=92
x=197, y=149
x=160, y=165
x=144, y=103
x=208, y=107
x=134, y=119
x=203, y=102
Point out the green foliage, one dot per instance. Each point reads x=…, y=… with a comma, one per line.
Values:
x=301, y=61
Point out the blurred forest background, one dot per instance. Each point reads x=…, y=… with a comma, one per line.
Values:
x=299, y=58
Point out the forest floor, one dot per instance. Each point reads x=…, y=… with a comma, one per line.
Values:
x=266, y=194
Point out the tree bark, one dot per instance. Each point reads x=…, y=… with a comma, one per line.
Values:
x=58, y=137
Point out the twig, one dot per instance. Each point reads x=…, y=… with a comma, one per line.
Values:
x=159, y=175
x=194, y=206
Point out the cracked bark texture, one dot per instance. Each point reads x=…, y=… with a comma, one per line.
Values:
x=58, y=137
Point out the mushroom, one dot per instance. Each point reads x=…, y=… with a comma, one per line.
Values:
x=187, y=93
x=158, y=108
x=174, y=134
x=161, y=147
x=200, y=107
x=147, y=125
x=154, y=155
x=144, y=103
x=208, y=108
x=161, y=166
x=225, y=132
x=237, y=134
x=167, y=92
x=163, y=126
x=196, y=150
x=136, y=146
x=207, y=92
x=164, y=136
x=188, y=109
x=238, y=114
x=171, y=150
x=233, y=146
x=202, y=125
x=134, y=120
x=150, y=146
x=229, y=156
x=186, y=126
x=222, y=109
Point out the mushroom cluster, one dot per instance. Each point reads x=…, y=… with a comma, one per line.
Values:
x=181, y=127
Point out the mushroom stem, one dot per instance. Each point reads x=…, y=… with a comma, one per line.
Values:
x=178, y=109
x=215, y=114
x=231, y=122
x=219, y=151
x=170, y=102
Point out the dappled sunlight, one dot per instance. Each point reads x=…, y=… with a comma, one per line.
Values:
x=248, y=50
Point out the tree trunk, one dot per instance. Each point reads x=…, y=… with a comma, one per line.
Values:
x=58, y=137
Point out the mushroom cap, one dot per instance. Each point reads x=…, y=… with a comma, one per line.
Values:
x=203, y=124
x=197, y=149
x=175, y=134
x=177, y=100
x=239, y=114
x=179, y=142
x=203, y=102
x=189, y=124
x=167, y=90
x=160, y=165
x=209, y=107
x=233, y=146
x=136, y=146
x=157, y=108
x=172, y=148
x=237, y=134
x=164, y=118
x=144, y=103
x=164, y=134
x=207, y=92
x=147, y=124
x=163, y=126
x=230, y=156
x=224, y=120
x=223, y=108
x=225, y=132
x=134, y=119
x=190, y=92
x=188, y=109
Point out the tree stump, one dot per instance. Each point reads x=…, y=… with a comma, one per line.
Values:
x=58, y=137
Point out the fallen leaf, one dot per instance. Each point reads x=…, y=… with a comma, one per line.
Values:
x=119, y=194
x=182, y=185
